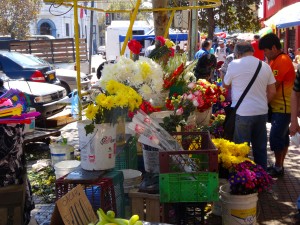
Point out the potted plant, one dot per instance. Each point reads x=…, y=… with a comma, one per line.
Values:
x=98, y=143
x=239, y=197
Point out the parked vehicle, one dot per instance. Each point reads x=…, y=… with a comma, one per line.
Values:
x=67, y=77
x=44, y=97
x=18, y=66
x=101, y=50
x=119, y=27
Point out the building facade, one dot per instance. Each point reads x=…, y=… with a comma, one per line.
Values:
x=58, y=21
x=291, y=35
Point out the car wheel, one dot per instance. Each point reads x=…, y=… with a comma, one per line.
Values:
x=66, y=86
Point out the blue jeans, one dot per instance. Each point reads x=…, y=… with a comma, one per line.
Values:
x=279, y=134
x=253, y=130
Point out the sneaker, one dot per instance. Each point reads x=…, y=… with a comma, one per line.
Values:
x=273, y=172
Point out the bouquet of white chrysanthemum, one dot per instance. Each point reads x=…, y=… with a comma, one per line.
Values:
x=144, y=75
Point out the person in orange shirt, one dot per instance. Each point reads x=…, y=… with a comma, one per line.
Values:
x=284, y=73
x=257, y=52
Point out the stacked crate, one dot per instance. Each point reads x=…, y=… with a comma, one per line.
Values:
x=188, y=179
x=104, y=189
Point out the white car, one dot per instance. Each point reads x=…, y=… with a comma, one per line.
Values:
x=44, y=97
x=67, y=77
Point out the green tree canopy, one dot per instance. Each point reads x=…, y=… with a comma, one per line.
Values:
x=231, y=16
x=16, y=15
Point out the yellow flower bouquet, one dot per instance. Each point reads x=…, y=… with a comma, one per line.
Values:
x=230, y=153
x=117, y=100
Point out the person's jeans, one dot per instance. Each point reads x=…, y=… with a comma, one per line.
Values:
x=252, y=129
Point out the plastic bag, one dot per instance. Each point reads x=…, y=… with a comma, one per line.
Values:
x=296, y=139
x=74, y=105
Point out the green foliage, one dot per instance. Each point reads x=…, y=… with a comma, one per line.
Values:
x=241, y=15
x=122, y=5
x=43, y=184
x=232, y=15
x=16, y=15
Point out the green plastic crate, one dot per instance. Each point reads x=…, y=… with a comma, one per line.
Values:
x=189, y=187
x=118, y=179
x=127, y=157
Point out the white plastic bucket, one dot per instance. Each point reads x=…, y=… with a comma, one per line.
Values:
x=60, y=152
x=97, y=150
x=64, y=167
x=217, y=205
x=238, y=209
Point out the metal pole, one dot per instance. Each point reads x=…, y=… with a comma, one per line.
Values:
x=194, y=31
x=76, y=28
x=91, y=38
x=129, y=31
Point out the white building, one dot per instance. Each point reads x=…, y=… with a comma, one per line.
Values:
x=58, y=21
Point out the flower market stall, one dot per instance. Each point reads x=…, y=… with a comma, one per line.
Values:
x=14, y=187
x=171, y=126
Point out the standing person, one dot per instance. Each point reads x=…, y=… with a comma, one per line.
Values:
x=297, y=56
x=251, y=116
x=205, y=48
x=221, y=51
x=295, y=104
x=223, y=71
x=257, y=52
x=291, y=53
x=206, y=62
x=284, y=73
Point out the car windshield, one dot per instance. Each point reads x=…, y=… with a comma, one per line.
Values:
x=21, y=59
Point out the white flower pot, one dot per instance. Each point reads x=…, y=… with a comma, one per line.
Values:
x=97, y=150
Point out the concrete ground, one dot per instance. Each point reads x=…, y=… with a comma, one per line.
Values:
x=277, y=207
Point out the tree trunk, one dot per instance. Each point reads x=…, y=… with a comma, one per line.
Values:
x=160, y=17
x=211, y=22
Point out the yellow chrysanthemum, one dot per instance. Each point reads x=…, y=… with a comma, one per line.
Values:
x=145, y=69
x=100, y=98
x=112, y=87
x=91, y=111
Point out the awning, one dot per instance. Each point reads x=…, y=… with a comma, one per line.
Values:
x=174, y=37
x=287, y=17
x=264, y=31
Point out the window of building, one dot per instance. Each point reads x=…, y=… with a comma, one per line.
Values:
x=45, y=29
x=67, y=29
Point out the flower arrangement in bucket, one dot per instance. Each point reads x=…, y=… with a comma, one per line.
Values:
x=248, y=178
x=230, y=154
x=144, y=75
x=116, y=101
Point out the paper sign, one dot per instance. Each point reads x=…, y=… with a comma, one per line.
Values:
x=73, y=208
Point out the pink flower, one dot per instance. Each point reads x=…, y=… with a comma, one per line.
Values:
x=154, y=139
x=139, y=129
x=191, y=85
x=179, y=111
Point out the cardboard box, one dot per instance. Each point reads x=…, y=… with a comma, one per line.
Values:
x=12, y=204
x=73, y=208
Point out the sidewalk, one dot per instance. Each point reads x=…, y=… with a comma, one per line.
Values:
x=275, y=208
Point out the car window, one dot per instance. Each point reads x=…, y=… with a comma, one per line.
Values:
x=21, y=59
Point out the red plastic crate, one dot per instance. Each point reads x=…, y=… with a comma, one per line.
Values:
x=199, y=155
x=100, y=192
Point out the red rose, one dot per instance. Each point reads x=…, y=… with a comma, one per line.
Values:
x=135, y=46
x=161, y=39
